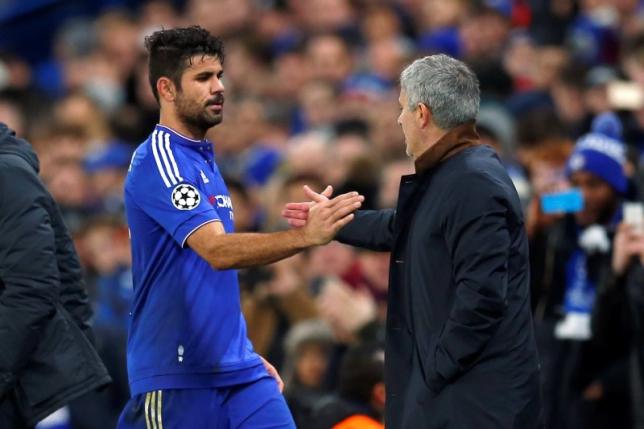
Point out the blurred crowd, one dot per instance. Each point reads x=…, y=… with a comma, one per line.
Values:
x=311, y=98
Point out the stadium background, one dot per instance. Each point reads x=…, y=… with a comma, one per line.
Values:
x=311, y=97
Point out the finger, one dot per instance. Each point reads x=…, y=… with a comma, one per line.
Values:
x=296, y=223
x=295, y=214
x=328, y=191
x=314, y=195
x=337, y=226
x=298, y=206
x=344, y=197
x=344, y=209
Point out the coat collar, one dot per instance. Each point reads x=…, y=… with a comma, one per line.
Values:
x=455, y=141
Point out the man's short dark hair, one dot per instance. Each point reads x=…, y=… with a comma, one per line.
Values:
x=170, y=52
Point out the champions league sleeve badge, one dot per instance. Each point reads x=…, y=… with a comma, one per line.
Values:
x=185, y=197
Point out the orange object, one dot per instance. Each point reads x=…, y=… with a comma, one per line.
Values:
x=359, y=422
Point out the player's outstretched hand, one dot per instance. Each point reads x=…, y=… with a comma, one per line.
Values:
x=296, y=214
x=327, y=216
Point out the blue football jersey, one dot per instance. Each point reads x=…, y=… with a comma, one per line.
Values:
x=186, y=327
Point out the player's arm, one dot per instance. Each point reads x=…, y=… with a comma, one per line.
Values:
x=239, y=250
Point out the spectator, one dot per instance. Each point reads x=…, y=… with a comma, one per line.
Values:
x=583, y=383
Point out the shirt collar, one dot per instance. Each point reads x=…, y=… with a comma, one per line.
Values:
x=180, y=138
x=455, y=141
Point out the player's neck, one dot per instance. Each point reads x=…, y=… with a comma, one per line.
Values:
x=172, y=122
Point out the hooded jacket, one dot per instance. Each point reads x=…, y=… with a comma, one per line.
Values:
x=46, y=352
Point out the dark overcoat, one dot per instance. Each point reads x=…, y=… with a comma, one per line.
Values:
x=46, y=352
x=460, y=347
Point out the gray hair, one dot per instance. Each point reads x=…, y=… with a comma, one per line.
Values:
x=446, y=86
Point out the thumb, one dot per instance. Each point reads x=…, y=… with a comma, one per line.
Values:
x=328, y=191
x=314, y=195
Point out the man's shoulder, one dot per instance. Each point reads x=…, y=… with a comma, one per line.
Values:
x=154, y=162
x=16, y=172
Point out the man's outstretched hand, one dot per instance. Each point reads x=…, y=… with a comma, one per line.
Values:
x=324, y=217
x=296, y=214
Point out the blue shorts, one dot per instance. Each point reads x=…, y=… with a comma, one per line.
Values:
x=254, y=405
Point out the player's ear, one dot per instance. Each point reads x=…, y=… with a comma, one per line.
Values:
x=166, y=89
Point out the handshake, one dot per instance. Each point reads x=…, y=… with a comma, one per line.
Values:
x=320, y=219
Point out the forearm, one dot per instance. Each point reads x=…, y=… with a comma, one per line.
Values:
x=371, y=229
x=242, y=250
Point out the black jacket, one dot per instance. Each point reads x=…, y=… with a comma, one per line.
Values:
x=460, y=348
x=46, y=354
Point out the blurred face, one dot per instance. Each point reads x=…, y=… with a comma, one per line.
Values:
x=311, y=365
x=600, y=200
x=200, y=99
x=329, y=58
x=407, y=121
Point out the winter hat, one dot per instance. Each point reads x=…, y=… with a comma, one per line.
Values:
x=601, y=152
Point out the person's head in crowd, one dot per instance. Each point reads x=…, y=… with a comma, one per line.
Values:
x=483, y=34
x=105, y=244
x=520, y=61
x=244, y=206
x=59, y=143
x=241, y=62
x=438, y=94
x=186, y=67
x=380, y=22
x=307, y=348
x=322, y=16
x=361, y=377
x=118, y=39
x=568, y=95
x=387, y=58
x=390, y=181
x=291, y=71
x=348, y=149
x=308, y=154
x=15, y=73
x=250, y=120
x=225, y=18
x=632, y=59
x=551, y=61
x=374, y=269
x=69, y=185
x=319, y=103
x=437, y=14
x=497, y=129
x=386, y=138
x=155, y=15
x=12, y=115
x=107, y=168
x=596, y=88
x=333, y=260
x=596, y=167
x=543, y=150
x=284, y=187
x=103, y=84
x=330, y=58
x=79, y=110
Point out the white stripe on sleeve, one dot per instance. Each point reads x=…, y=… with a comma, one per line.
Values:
x=164, y=157
x=158, y=160
x=171, y=156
